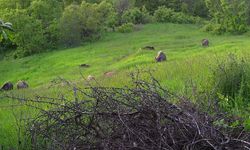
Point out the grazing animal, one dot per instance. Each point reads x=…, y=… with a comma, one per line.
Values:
x=85, y=65
x=160, y=57
x=148, y=48
x=90, y=77
x=205, y=42
x=22, y=85
x=7, y=86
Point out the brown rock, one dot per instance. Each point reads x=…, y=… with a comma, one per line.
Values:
x=109, y=74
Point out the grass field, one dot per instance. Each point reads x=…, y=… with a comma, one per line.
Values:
x=120, y=52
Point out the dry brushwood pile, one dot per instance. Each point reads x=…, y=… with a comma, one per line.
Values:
x=140, y=118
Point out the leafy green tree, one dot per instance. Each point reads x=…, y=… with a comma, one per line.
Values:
x=153, y=5
x=29, y=34
x=70, y=25
x=136, y=16
x=69, y=2
x=15, y=4
x=108, y=15
x=48, y=12
x=199, y=8
x=84, y=22
x=227, y=16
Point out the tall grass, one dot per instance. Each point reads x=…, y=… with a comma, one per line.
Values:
x=232, y=80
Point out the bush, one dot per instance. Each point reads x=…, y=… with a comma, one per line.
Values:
x=136, y=16
x=85, y=22
x=182, y=18
x=126, y=28
x=232, y=19
x=70, y=26
x=108, y=15
x=53, y=34
x=214, y=28
x=232, y=78
x=29, y=34
x=164, y=14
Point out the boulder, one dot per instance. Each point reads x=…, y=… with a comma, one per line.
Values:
x=7, y=86
x=22, y=85
x=160, y=57
x=205, y=42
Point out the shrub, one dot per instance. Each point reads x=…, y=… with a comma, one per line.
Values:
x=136, y=16
x=108, y=15
x=126, y=28
x=232, y=78
x=70, y=26
x=29, y=34
x=214, y=28
x=232, y=19
x=182, y=18
x=53, y=34
x=85, y=22
x=163, y=14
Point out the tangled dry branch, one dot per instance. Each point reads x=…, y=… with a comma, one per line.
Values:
x=140, y=117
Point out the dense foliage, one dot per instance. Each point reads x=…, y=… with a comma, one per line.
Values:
x=227, y=16
x=233, y=83
x=47, y=24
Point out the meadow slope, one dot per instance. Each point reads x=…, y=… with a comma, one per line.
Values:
x=120, y=52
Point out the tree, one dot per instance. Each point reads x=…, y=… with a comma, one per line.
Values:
x=29, y=34
x=153, y=5
x=80, y=23
x=70, y=25
x=48, y=12
x=15, y=4
x=228, y=15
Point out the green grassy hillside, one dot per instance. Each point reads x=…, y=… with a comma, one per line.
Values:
x=121, y=53
x=117, y=51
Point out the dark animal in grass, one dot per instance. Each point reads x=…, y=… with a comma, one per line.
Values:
x=7, y=86
x=22, y=85
x=148, y=48
x=205, y=42
x=84, y=65
x=160, y=57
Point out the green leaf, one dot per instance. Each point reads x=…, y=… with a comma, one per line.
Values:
x=9, y=27
x=1, y=38
x=4, y=35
